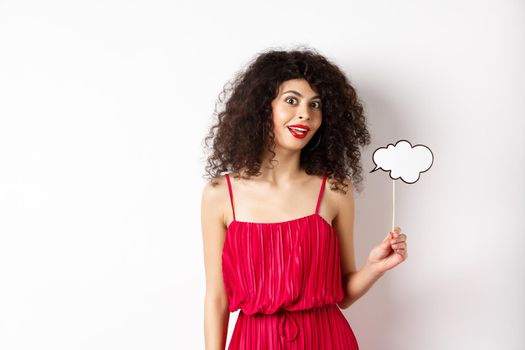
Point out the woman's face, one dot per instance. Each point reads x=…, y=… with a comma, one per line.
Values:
x=296, y=105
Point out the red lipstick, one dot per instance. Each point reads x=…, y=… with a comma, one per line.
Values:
x=298, y=130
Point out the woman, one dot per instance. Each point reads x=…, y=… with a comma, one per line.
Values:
x=277, y=245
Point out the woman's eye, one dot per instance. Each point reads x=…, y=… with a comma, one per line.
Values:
x=293, y=98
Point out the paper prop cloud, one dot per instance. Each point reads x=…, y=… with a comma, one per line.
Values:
x=403, y=160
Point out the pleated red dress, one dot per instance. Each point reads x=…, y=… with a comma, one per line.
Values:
x=286, y=279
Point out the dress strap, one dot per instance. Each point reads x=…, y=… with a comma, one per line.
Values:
x=231, y=194
x=321, y=193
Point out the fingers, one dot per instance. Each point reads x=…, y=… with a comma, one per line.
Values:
x=399, y=245
x=399, y=238
x=398, y=242
x=397, y=230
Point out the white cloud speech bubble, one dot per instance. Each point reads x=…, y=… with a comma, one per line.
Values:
x=403, y=160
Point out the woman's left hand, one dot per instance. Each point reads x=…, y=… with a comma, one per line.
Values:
x=389, y=253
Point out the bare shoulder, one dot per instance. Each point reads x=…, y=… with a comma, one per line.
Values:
x=343, y=224
x=212, y=200
x=214, y=185
x=340, y=199
x=214, y=234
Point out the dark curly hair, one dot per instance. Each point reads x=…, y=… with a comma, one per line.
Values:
x=244, y=127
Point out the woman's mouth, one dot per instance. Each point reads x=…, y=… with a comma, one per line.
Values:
x=298, y=132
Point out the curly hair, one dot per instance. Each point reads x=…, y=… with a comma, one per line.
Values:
x=244, y=127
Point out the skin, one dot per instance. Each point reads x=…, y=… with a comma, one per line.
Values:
x=293, y=194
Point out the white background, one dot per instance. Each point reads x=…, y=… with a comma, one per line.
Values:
x=104, y=106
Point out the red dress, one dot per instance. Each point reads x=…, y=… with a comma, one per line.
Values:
x=286, y=279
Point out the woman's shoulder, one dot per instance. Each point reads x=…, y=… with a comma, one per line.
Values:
x=214, y=186
x=215, y=196
x=339, y=193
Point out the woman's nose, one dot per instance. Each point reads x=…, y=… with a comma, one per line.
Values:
x=304, y=115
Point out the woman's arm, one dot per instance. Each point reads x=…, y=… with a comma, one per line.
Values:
x=355, y=282
x=390, y=252
x=216, y=313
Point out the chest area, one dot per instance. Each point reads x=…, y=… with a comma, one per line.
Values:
x=298, y=241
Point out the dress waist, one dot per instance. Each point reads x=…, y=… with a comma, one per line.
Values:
x=287, y=326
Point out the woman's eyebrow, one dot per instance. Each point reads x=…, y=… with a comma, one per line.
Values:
x=295, y=92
